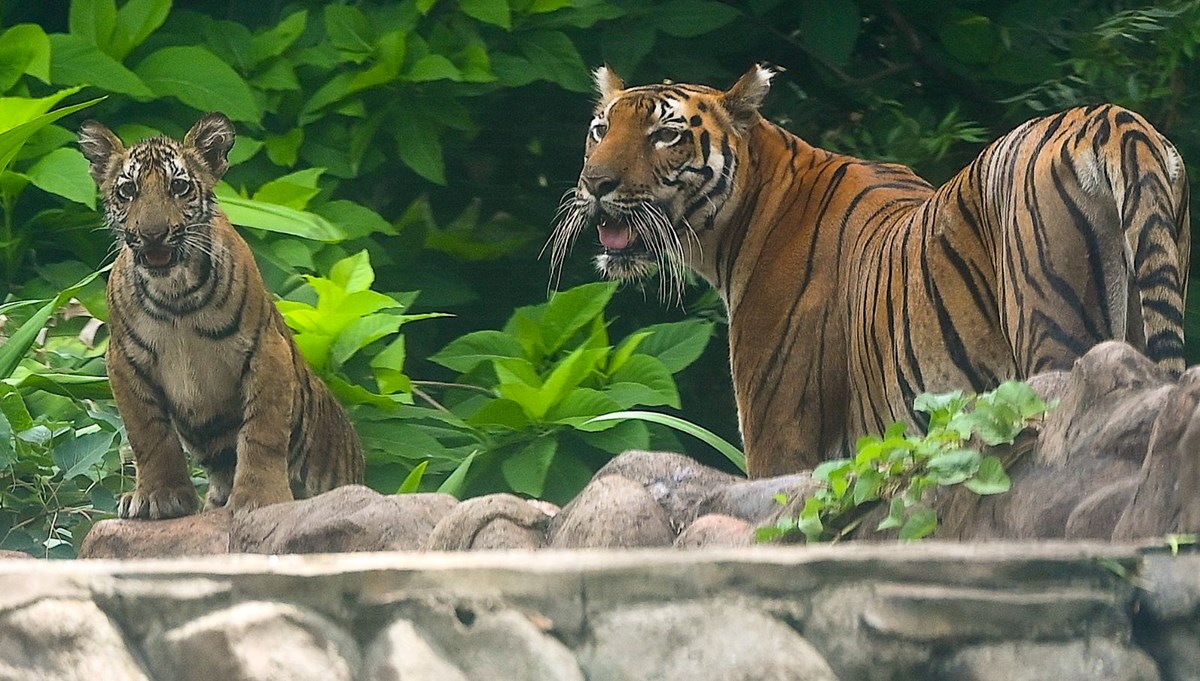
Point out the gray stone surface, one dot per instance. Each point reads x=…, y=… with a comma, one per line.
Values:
x=345, y=519
x=494, y=521
x=1087, y=660
x=699, y=642
x=400, y=653
x=611, y=512
x=715, y=529
x=202, y=534
x=63, y=639
x=254, y=641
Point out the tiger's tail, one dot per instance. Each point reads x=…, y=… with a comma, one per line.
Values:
x=1150, y=184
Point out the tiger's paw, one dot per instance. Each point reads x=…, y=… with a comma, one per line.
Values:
x=241, y=500
x=158, y=504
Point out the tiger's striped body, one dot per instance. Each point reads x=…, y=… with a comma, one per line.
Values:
x=199, y=357
x=853, y=286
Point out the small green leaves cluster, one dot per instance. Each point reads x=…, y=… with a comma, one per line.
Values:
x=899, y=469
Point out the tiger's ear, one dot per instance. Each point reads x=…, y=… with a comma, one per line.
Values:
x=212, y=136
x=746, y=96
x=99, y=145
x=607, y=81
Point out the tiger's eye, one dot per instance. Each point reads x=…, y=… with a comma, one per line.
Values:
x=126, y=190
x=665, y=136
x=180, y=186
x=599, y=130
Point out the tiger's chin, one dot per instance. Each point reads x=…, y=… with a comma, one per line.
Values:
x=628, y=264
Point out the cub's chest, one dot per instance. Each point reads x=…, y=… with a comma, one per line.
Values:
x=199, y=375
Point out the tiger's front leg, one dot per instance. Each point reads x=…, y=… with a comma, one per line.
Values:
x=164, y=486
x=261, y=475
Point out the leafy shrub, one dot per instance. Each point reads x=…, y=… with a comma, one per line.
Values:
x=899, y=469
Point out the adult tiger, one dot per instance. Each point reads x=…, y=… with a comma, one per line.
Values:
x=198, y=354
x=852, y=286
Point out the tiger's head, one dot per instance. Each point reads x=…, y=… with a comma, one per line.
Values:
x=158, y=194
x=660, y=172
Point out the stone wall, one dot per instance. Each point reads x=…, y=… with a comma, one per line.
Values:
x=866, y=612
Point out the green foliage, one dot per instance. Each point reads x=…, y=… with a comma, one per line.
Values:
x=900, y=469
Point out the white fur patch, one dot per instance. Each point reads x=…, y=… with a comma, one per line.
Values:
x=607, y=82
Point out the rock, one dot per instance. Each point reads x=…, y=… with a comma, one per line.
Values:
x=1166, y=499
x=1168, y=619
x=205, y=533
x=612, y=511
x=254, y=641
x=678, y=483
x=5, y=554
x=757, y=500
x=473, y=642
x=715, y=529
x=63, y=640
x=698, y=642
x=400, y=653
x=1093, y=660
x=495, y=521
x=345, y=519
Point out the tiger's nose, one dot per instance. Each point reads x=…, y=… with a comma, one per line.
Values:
x=599, y=184
x=154, y=237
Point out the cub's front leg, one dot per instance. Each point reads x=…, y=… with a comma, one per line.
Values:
x=268, y=396
x=164, y=486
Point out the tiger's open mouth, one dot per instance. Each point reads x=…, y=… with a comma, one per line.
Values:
x=158, y=257
x=616, y=235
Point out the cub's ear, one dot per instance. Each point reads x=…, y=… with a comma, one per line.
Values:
x=746, y=96
x=99, y=146
x=607, y=82
x=212, y=137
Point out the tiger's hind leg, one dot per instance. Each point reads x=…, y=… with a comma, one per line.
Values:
x=220, y=468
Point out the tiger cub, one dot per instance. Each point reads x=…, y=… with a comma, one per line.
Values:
x=199, y=357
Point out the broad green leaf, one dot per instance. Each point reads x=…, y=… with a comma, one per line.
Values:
x=555, y=58
x=412, y=483
x=581, y=405
x=24, y=49
x=433, y=67
x=19, y=341
x=525, y=470
x=571, y=310
x=273, y=218
x=136, y=20
x=419, y=145
x=199, y=79
x=18, y=111
x=12, y=406
x=76, y=456
x=75, y=386
x=651, y=373
x=349, y=30
x=284, y=150
x=275, y=40
x=920, y=524
x=691, y=18
x=8, y=450
x=359, y=334
x=626, y=349
x=628, y=395
x=64, y=172
x=895, y=516
x=677, y=344
x=990, y=479
x=75, y=61
x=466, y=352
x=621, y=437
x=456, y=482
x=355, y=219
x=500, y=413
x=495, y=12
x=353, y=273
x=971, y=38
x=93, y=21
x=703, y=434
x=388, y=367
x=293, y=190
x=953, y=467
x=830, y=28
x=809, y=521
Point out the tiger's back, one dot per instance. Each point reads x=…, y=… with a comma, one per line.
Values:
x=853, y=286
x=199, y=357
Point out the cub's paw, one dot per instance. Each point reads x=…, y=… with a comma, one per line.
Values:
x=158, y=504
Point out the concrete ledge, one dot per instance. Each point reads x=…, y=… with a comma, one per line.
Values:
x=855, y=611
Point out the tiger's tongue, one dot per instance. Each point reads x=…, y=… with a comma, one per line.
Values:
x=615, y=236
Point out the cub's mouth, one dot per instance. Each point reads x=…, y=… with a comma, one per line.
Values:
x=159, y=257
x=616, y=235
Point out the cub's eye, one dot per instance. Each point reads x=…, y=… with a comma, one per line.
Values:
x=665, y=136
x=126, y=190
x=599, y=130
x=180, y=186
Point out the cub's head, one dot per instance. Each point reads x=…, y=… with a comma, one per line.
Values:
x=158, y=194
x=660, y=164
